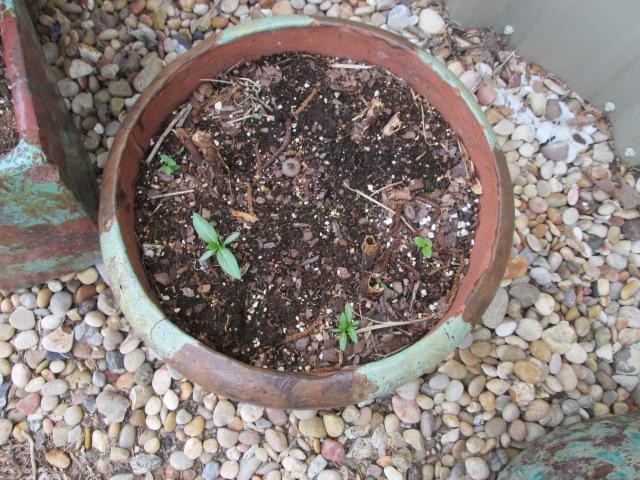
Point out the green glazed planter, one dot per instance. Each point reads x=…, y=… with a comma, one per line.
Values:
x=48, y=188
x=607, y=447
x=333, y=37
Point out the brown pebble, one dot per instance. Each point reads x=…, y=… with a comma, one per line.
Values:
x=85, y=292
x=58, y=458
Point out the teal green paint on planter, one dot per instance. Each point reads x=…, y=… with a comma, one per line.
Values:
x=24, y=156
x=167, y=339
x=422, y=356
x=606, y=447
x=144, y=315
x=25, y=203
x=244, y=29
x=9, y=5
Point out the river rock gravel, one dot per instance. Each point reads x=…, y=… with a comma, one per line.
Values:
x=559, y=344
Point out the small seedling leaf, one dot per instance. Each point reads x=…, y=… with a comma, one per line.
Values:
x=425, y=245
x=206, y=255
x=231, y=238
x=168, y=164
x=420, y=242
x=343, y=341
x=353, y=335
x=204, y=229
x=348, y=311
x=380, y=283
x=228, y=263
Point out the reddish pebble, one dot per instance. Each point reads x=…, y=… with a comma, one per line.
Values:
x=332, y=451
x=137, y=6
x=47, y=426
x=277, y=416
x=407, y=410
x=29, y=404
x=486, y=94
x=82, y=350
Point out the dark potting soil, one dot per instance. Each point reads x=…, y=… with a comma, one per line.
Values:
x=8, y=132
x=308, y=160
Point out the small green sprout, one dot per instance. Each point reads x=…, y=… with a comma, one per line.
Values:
x=380, y=283
x=347, y=327
x=225, y=258
x=169, y=165
x=426, y=245
x=257, y=115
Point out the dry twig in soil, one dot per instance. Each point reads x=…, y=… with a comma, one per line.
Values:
x=372, y=200
x=306, y=101
x=171, y=194
x=178, y=119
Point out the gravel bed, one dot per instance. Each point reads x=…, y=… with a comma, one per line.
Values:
x=559, y=344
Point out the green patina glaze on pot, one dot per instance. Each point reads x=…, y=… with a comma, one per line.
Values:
x=166, y=339
x=48, y=190
x=245, y=29
x=242, y=382
x=144, y=315
x=422, y=356
x=608, y=447
x=27, y=200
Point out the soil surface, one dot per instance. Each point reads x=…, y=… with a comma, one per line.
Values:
x=328, y=173
x=8, y=132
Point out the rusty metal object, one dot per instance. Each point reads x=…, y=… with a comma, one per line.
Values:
x=328, y=36
x=48, y=190
x=607, y=447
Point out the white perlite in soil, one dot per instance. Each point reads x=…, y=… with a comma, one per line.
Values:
x=558, y=345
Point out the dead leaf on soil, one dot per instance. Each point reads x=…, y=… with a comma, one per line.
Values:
x=371, y=114
x=247, y=217
x=204, y=141
x=392, y=125
x=477, y=187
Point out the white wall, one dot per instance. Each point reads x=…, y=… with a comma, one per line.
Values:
x=594, y=45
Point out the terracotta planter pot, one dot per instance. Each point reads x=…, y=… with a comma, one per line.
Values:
x=48, y=189
x=249, y=41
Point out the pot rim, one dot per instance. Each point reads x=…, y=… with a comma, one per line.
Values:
x=266, y=386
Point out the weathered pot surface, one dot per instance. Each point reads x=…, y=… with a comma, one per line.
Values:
x=48, y=188
x=332, y=37
x=605, y=447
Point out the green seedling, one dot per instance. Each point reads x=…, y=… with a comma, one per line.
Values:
x=425, y=245
x=169, y=165
x=380, y=283
x=347, y=327
x=224, y=257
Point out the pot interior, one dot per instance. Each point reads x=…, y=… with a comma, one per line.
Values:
x=360, y=44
